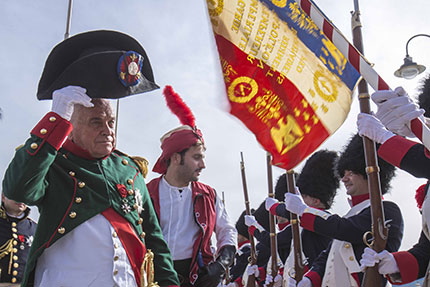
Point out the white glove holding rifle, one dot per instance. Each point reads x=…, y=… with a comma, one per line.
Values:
x=64, y=100
x=396, y=110
x=251, y=221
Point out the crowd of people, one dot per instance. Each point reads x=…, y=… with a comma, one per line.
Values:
x=103, y=224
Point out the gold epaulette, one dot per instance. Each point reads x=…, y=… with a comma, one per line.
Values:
x=2, y=212
x=142, y=163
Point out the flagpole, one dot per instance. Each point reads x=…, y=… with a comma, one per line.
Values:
x=69, y=20
x=379, y=230
x=272, y=222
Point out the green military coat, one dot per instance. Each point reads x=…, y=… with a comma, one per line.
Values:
x=69, y=187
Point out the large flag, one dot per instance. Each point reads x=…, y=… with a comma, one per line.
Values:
x=285, y=80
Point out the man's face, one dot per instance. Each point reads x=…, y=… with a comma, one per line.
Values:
x=13, y=207
x=93, y=128
x=355, y=184
x=193, y=164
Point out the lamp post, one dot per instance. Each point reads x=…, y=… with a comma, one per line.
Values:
x=410, y=69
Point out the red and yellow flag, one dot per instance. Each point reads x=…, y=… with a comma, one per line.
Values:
x=285, y=80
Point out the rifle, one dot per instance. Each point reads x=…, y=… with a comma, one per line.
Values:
x=227, y=270
x=379, y=231
x=299, y=268
x=273, y=243
x=253, y=257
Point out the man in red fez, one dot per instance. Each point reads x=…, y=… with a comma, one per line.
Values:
x=190, y=211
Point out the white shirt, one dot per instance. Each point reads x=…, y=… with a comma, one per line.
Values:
x=89, y=255
x=178, y=225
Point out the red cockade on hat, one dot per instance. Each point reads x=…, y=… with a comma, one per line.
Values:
x=122, y=190
x=180, y=138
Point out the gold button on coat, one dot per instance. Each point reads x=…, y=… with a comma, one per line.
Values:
x=136, y=206
x=15, y=265
x=140, y=221
x=15, y=250
x=72, y=214
x=124, y=162
x=115, y=258
x=52, y=119
x=15, y=258
x=78, y=199
x=15, y=242
x=34, y=145
x=347, y=245
x=81, y=184
x=129, y=181
x=61, y=230
x=13, y=224
x=43, y=131
x=351, y=258
x=115, y=272
x=13, y=280
x=14, y=229
x=14, y=273
x=14, y=236
x=71, y=173
x=114, y=234
x=130, y=192
x=142, y=235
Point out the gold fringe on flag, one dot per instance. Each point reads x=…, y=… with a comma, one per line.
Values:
x=147, y=271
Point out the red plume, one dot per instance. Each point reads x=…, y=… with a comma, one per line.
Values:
x=420, y=194
x=178, y=107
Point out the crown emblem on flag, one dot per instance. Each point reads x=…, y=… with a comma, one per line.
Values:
x=129, y=67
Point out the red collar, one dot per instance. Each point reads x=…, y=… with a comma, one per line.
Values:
x=359, y=198
x=281, y=226
x=78, y=151
x=243, y=243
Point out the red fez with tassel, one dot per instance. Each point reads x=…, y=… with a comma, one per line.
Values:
x=180, y=138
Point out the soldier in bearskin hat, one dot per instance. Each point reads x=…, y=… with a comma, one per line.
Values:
x=338, y=264
x=396, y=107
x=16, y=237
x=318, y=171
x=189, y=211
x=97, y=225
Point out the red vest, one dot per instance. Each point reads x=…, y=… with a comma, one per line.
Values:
x=203, y=197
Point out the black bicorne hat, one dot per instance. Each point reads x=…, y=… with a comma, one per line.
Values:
x=352, y=159
x=108, y=64
x=241, y=227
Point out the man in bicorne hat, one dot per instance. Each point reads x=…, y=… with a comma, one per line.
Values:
x=190, y=211
x=97, y=226
x=338, y=266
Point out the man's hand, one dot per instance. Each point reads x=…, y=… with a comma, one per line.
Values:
x=387, y=263
x=252, y=270
x=270, y=202
x=64, y=100
x=369, y=126
x=305, y=282
x=251, y=221
x=294, y=203
x=396, y=110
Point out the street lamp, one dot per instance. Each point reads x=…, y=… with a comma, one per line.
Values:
x=410, y=69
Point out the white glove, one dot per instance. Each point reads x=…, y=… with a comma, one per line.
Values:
x=251, y=221
x=369, y=126
x=387, y=263
x=252, y=270
x=305, y=282
x=291, y=282
x=396, y=110
x=294, y=203
x=277, y=282
x=270, y=202
x=63, y=100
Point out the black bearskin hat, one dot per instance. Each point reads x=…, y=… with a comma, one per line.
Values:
x=241, y=227
x=352, y=159
x=424, y=96
x=109, y=64
x=262, y=216
x=281, y=186
x=317, y=178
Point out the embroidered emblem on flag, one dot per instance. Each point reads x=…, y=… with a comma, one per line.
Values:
x=285, y=79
